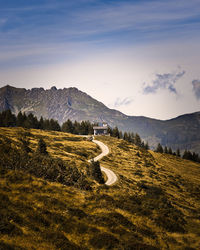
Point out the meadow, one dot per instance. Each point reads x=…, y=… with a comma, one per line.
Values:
x=155, y=203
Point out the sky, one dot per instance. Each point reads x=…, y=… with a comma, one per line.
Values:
x=141, y=57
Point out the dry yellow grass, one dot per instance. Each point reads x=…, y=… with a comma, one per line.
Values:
x=179, y=180
x=68, y=147
x=154, y=205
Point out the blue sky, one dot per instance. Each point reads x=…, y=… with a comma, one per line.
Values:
x=148, y=51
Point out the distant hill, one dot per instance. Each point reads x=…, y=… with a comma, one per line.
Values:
x=70, y=103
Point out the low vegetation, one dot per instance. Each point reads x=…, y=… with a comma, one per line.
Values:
x=155, y=203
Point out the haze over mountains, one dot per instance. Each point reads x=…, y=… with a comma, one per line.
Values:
x=70, y=103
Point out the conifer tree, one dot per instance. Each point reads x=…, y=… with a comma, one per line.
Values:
x=120, y=135
x=9, y=119
x=41, y=123
x=170, y=151
x=109, y=130
x=31, y=121
x=54, y=125
x=115, y=132
x=125, y=136
x=129, y=137
x=68, y=126
x=137, y=140
x=76, y=128
x=46, y=124
x=159, y=148
x=146, y=145
x=178, y=152
x=132, y=137
x=21, y=119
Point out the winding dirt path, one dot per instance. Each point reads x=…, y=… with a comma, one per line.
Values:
x=112, y=178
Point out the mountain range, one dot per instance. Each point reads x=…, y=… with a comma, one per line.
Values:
x=70, y=103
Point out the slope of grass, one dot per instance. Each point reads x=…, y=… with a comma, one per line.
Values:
x=154, y=205
x=68, y=147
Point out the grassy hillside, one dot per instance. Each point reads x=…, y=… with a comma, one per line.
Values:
x=154, y=205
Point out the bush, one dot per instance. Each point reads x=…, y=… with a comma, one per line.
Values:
x=41, y=165
x=60, y=240
x=42, y=147
x=104, y=240
x=96, y=172
x=8, y=228
x=8, y=246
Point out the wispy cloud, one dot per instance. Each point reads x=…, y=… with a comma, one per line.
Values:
x=62, y=20
x=163, y=81
x=142, y=15
x=104, y=24
x=196, y=88
x=123, y=102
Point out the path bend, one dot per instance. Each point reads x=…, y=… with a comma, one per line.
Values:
x=112, y=178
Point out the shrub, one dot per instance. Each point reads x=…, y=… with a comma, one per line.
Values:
x=60, y=240
x=104, y=240
x=8, y=228
x=96, y=172
x=42, y=147
x=8, y=246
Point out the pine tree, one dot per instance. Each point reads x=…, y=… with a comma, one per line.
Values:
x=32, y=121
x=115, y=132
x=54, y=125
x=76, y=128
x=41, y=123
x=187, y=155
x=146, y=145
x=195, y=157
x=109, y=130
x=129, y=137
x=120, y=135
x=166, y=150
x=159, y=148
x=9, y=119
x=170, y=151
x=137, y=140
x=46, y=124
x=68, y=126
x=21, y=119
x=178, y=152
x=125, y=136
x=132, y=137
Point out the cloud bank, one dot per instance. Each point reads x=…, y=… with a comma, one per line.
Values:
x=163, y=81
x=196, y=88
